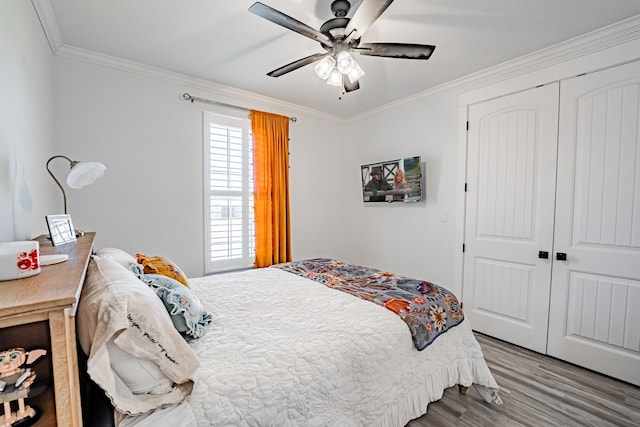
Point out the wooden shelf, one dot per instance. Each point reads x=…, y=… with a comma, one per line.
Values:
x=39, y=312
x=57, y=285
x=45, y=402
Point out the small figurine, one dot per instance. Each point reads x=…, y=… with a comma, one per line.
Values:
x=15, y=383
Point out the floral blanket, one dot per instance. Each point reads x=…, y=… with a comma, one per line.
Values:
x=428, y=309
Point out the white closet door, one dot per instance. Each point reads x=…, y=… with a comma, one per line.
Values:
x=512, y=145
x=595, y=301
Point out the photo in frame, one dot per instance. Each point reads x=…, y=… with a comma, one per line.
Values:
x=60, y=229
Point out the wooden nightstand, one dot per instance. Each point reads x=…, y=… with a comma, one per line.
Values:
x=50, y=299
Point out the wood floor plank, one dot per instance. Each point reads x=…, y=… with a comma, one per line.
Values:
x=537, y=390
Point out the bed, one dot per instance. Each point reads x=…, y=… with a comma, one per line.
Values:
x=279, y=346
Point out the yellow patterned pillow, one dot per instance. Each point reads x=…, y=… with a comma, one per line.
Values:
x=160, y=265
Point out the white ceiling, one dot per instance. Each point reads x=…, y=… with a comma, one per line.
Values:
x=222, y=42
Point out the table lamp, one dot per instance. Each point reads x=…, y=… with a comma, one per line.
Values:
x=80, y=175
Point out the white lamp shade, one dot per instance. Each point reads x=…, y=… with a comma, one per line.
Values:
x=335, y=78
x=344, y=62
x=324, y=66
x=355, y=73
x=85, y=173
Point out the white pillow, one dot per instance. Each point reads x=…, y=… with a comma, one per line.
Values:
x=116, y=306
x=140, y=375
x=179, y=415
x=118, y=255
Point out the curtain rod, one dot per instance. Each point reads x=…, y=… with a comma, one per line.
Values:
x=188, y=97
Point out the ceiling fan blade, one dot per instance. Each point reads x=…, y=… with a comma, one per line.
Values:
x=367, y=13
x=396, y=50
x=296, y=64
x=348, y=86
x=277, y=17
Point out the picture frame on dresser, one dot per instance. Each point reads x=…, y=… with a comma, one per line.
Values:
x=61, y=229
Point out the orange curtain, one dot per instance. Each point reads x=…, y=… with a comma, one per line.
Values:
x=271, y=187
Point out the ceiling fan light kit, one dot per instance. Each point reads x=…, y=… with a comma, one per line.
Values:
x=332, y=69
x=339, y=37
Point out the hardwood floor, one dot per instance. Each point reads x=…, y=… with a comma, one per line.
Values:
x=537, y=391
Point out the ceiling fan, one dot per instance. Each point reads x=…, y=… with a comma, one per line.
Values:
x=339, y=36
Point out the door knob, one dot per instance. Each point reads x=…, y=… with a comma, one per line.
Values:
x=543, y=254
x=561, y=256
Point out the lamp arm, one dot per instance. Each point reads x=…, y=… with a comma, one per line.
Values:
x=64, y=195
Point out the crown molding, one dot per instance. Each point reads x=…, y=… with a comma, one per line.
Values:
x=589, y=43
x=49, y=23
x=217, y=89
x=604, y=38
x=52, y=32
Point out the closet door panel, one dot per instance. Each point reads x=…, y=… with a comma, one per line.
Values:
x=595, y=301
x=509, y=215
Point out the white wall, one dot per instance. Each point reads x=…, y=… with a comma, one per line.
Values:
x=26, y=125
x=408, y=239
x=151, y=197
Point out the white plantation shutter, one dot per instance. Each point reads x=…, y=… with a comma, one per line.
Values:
x=229, y=221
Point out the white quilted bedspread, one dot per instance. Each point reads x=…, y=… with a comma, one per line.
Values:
x=285, y=351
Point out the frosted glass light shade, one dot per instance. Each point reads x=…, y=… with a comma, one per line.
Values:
x=335, y=78
x=355, y=73
x=84, y=173
x=324, y=66
x=344, y=62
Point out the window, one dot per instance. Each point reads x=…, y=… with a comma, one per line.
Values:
x=228, y=183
